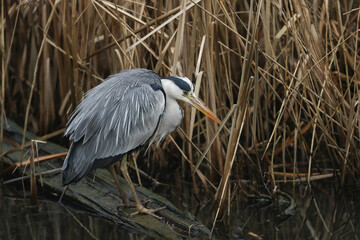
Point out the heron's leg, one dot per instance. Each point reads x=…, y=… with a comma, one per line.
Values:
x=113, y=173
x=139, y=206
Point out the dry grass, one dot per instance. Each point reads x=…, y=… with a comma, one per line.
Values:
x=288, y=71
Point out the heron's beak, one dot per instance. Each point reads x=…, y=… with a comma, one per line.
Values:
x=198, y=104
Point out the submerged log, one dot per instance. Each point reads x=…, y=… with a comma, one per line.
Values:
x=97, y=193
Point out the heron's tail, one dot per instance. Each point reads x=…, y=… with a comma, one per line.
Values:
x=75, y=166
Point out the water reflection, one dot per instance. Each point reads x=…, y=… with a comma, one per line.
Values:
x=325, y=212
x=49, y=220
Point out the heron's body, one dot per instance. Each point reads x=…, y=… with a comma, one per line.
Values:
x=129, y=110
x=115, y=118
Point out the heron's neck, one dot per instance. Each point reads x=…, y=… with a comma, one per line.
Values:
x=170, y=119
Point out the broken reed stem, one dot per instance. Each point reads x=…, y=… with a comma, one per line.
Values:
x=2, y=98
x=33, y=187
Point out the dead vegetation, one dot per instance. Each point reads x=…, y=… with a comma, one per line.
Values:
x=283, y=75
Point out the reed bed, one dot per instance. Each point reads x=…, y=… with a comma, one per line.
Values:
x=282, y=75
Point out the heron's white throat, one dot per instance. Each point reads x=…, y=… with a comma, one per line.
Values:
x=173, y=113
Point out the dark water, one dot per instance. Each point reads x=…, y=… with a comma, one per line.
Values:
x=51, y=220
x=324, y=212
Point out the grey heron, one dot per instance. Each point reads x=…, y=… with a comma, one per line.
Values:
x=127, y=111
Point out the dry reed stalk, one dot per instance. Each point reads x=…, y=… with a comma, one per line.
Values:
x=240, y=113
x=302, y=103
x=33, y=187
x=2, y=98
x=200, y=174
x=35, y=160
x=34, y=80
x=203, y=154
x=297, y=177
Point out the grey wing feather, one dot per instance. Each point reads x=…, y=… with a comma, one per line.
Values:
x=114, y=118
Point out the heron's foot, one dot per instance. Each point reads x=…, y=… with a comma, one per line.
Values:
x=142, y=209
x=125, y=203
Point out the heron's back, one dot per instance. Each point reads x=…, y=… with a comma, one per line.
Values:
x=114, y=118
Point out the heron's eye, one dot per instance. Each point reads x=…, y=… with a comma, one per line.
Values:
x=186, y=93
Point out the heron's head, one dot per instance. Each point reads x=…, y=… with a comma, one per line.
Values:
x=181, y=88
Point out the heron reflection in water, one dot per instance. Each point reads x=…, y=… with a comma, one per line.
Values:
x=129, y=110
